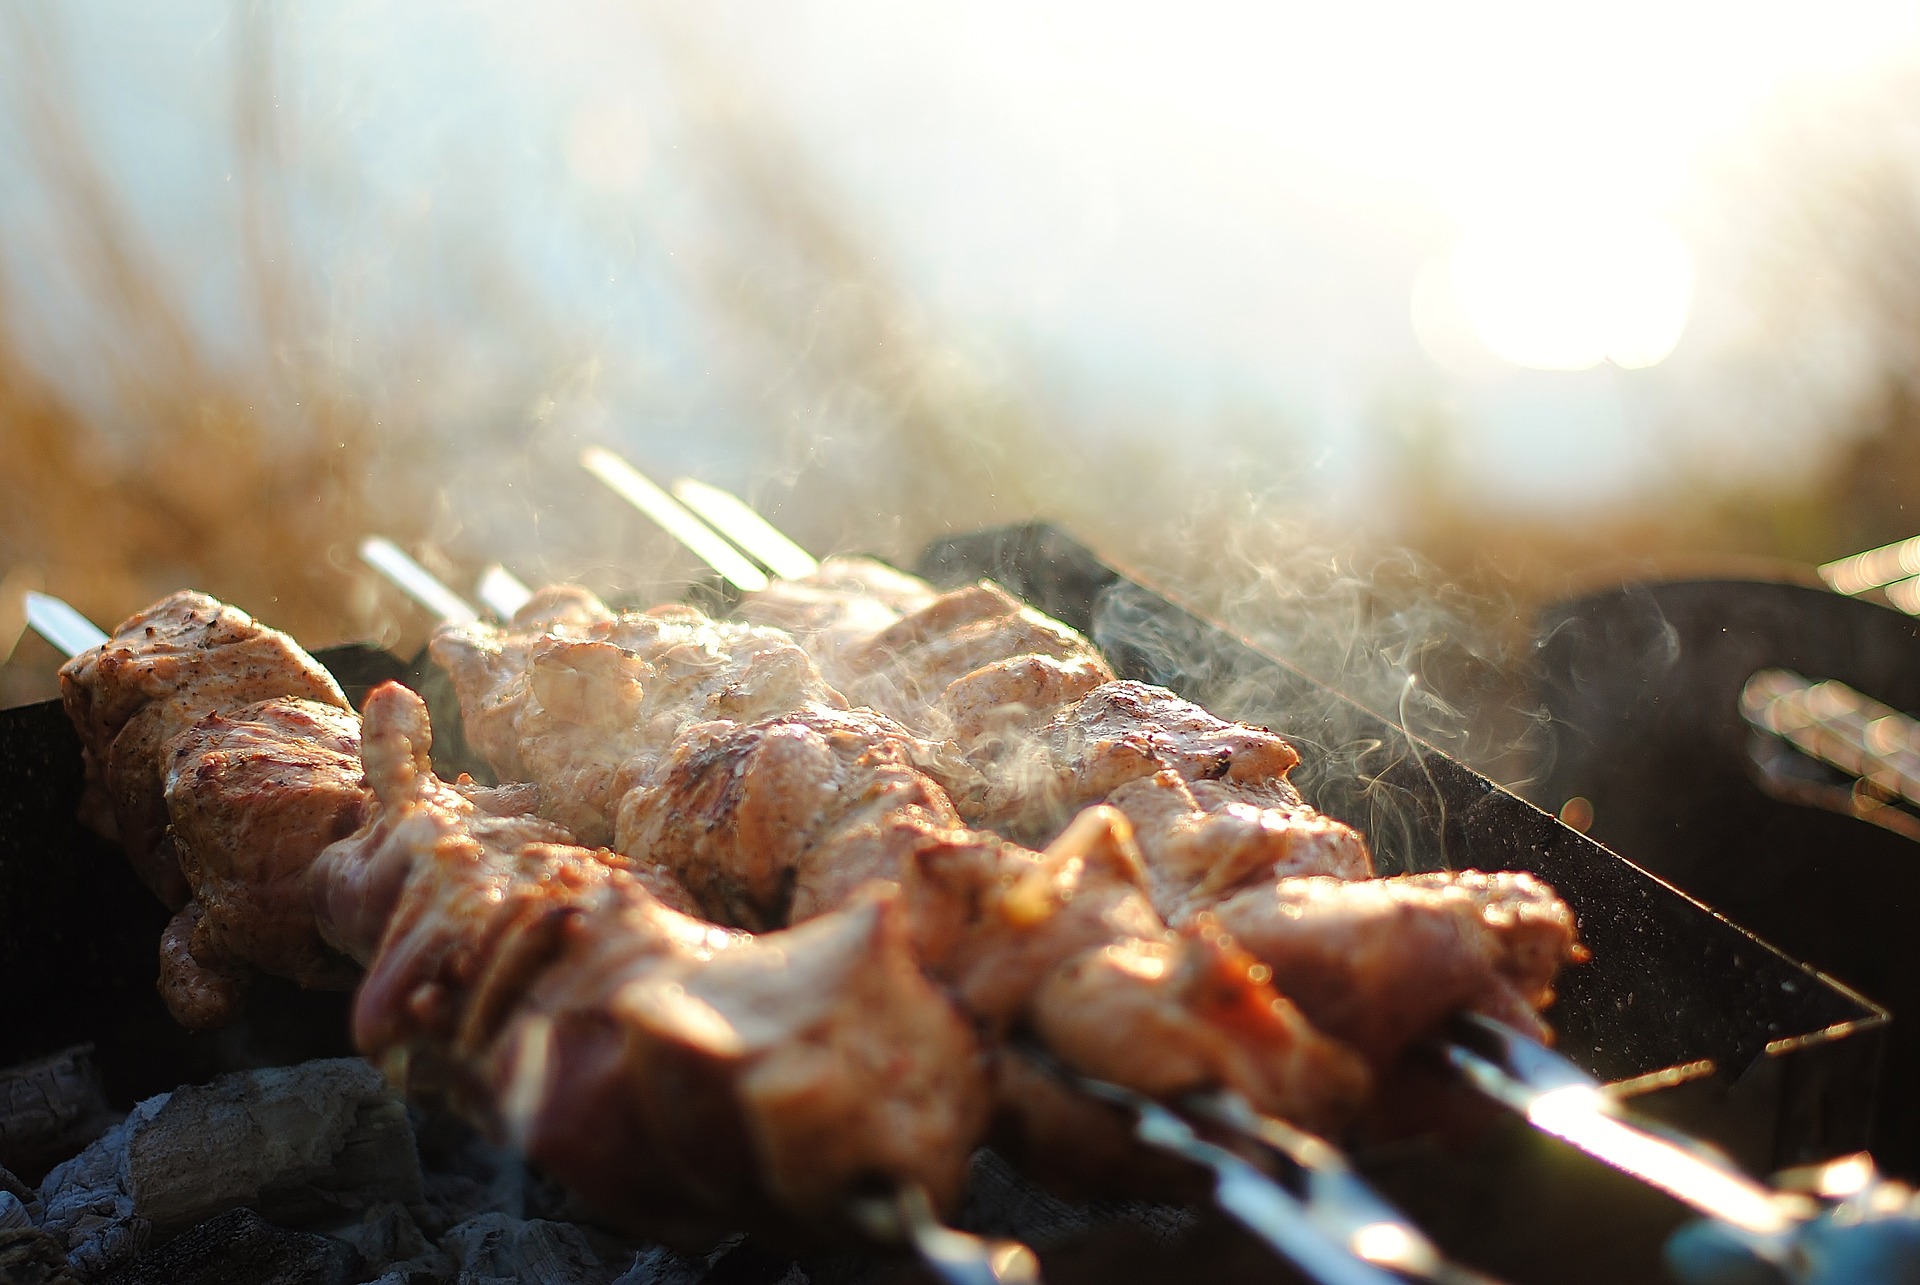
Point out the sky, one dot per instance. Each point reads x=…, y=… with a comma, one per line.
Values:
x=1324, y=221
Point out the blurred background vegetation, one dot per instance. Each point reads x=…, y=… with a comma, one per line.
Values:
x=273, y=280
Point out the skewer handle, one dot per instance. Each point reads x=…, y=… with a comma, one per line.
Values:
x=502, y=591
x=731, y=516
x=414, y=580
x=637, y=489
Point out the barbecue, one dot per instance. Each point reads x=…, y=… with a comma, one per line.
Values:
x=1226, y=795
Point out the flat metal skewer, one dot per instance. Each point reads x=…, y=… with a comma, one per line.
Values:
x=637, y=489
x=1256, y=1200
x=1339, y=1200
x=58, y=623
x=956, y=1257
x=732, y=517
x=414, y=580
x=502, y=591
x=1559, y=1098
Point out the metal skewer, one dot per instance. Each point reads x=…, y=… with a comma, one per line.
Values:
x=414, y=580
x=1307, y=1232
x=502, y=591
x=58, y=623
x=1559, y=1098
x=728, y=514
x=637, y=489
x=956, y=1257
x=1339, y=1200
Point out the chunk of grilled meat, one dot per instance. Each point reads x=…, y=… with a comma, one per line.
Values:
x=1381, y=963
x=1218, y=823
x=784, y=819
x=844, y=603
x=567, y=700
x=163, y=670
x=254, y=795
x=1008, y=660
x=683, y=1076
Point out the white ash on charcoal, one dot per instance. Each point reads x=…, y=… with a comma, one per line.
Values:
x=49, y=1109
x=317, y=1173
x=309, y=1145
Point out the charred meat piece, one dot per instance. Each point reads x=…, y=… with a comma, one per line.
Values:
x=1121, y=732
x=163, y=670
x=1381, y=963
x=254, y=795
x=568, y=701
x=674, y=1072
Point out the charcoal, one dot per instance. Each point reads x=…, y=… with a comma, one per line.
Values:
x=466, y=1176
x=241, y=1248
x=310, y=1145
x=498, y=1249
x=1000, y=1202
x=14, y=1212
x=49, y=1109
x=28, y=1256
x=391, y=1244
x=659, y=1265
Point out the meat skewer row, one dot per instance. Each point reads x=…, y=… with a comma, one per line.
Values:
x=673, y=1071
x=717, y=749
x=353, y=931
x=1530, y=925
x=776, y=820
x=1377, y=963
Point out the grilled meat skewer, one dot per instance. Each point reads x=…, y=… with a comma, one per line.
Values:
x=687, y=1076
x=1379, y=963
x=1223, y=833
x=223, y=757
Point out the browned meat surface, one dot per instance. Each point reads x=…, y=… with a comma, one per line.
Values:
x=905, y=670
x=776, y=821
x=1380, y=963
x=1195, y=1012
x=254, y=795
x=1202, y=843
x=164, y=669
x=845, y=602
x=570, y=702
x=789, y=817
x=682, y=1074
x=1121, y=732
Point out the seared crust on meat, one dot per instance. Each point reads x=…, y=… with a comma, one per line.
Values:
x=572, y=701
x=683, y=1074
x=1381, y=963
x=163, y=669
x=254, y=795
